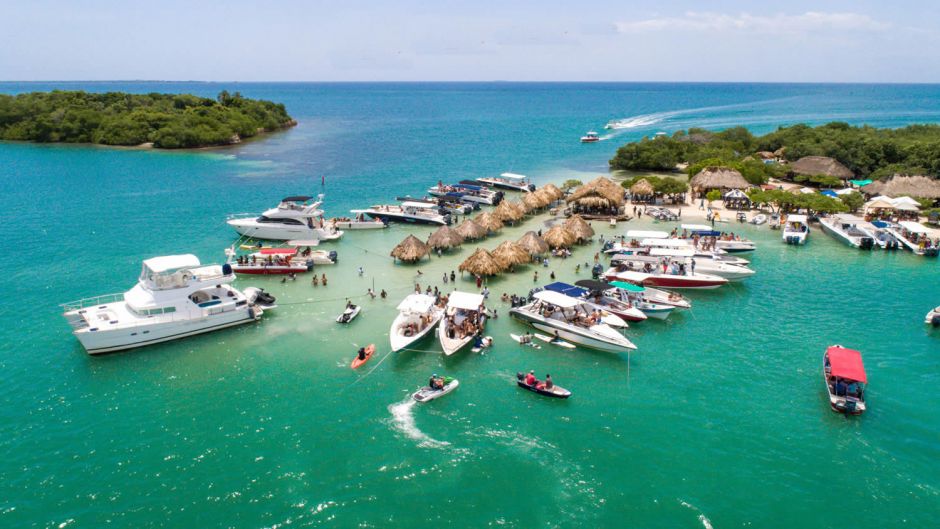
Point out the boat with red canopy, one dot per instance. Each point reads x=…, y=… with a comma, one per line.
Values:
x=844, y=375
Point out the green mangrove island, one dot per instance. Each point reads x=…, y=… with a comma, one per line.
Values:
x=166, y=121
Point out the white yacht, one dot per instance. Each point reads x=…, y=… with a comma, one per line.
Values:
x=683, y=259
x=848, y=229
x=721, y=241
x=413, y=212
x=554, y=312
x=417, y=317
x=296, y=217
x=796, y=230
x=453, y=332
x=175, y=297
x=510, y=181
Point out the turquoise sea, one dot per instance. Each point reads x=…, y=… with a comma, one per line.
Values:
x=718, y=420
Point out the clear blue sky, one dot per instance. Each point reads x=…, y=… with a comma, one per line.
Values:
x=409, y=40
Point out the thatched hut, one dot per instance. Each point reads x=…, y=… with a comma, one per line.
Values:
x=489, y=221
x=519, y=207
x=599, y=195
x=911, y=186
x=544, y=196
x=580, y=228
x=530, y=202
x=482, y=263
x=506, y=212
x=533, y=244
x=511, y=253
x=444, y=238
x=410, y=250
x=722, y=178
x=559, y=237
x=642, y=187
x=470, y=230
x=554, y=190
x=820, y=165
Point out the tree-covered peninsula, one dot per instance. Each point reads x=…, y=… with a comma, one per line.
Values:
x=168, y=121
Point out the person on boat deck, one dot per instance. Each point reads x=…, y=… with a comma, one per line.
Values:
x=548, y=382
x=851, y=389
x=362, y=353
x=839, y=387
x=530, y=379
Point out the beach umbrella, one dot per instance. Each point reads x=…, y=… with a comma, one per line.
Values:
x=580, y=227
x=445, y=238
x=489, y=221
x=410, y=250
x=470, y=230
x=505, y=212
x=559, y=237
x=533, y=244
x=512, y=253
x=482, y=263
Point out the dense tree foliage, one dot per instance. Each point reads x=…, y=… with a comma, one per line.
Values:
x=571, y=183
x=114, y=118
x=789, y=201
x=867, y=151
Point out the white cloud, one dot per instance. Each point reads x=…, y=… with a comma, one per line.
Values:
x=809, y=22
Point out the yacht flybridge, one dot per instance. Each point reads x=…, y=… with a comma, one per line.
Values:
x=296, y=217
x=510, y=181
x=175, y=297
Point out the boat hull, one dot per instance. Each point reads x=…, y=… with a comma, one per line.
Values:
x=398, y=341
x=255, y=230
x=579, y=338
x=270, y=270
x=388, y=217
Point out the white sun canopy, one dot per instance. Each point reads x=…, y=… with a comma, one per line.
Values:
x=666, y=243
x=647, y=234
x=464, y=300
x=796, y=218
x=159, y=265
x=418, y=303
x=697, y=227
x=513, y=176
x=633, y=277
x=557, y=299
x=913, y=227
x=672, y=252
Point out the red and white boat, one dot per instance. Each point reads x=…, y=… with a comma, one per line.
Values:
x=656, y=278
x=278, y=261
x=844, y=375
x=590, y=137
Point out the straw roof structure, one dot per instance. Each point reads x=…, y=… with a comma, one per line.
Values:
x=820, y=165
x=600, y=192
x=533, y=244
x=544, y=196
x=642, y=187
x=530, y=202
x=900, y=185
x=579, y=227
x=559, y=237
x=718, y=178
x=470, y=230
x=482, y=263
x=489, y=221
x=554, y=190
x=507, y=212
x=410, y=250
x=445, y=237
x=512, y=253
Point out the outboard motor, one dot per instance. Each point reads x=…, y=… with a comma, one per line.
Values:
x=310, y=264
x=334, y=256
x=597, y=271
x=607, y=246
x=226, y=269
x=866, y=243
x=531, y=187
x=519, y=376
x=935, y=321
x=447, y=219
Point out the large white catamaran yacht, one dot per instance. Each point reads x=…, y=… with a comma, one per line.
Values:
x=175, y=297
x=296, y=217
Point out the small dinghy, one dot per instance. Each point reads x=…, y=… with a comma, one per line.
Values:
x=525, y=341
x=427, y=393
x=349, y=314
x=759, y=219
x=557, y=392
x=369, y=350
x=559, y=342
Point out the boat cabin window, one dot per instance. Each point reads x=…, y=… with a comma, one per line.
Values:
x=166, y=280
x=267, y=220
x=157, y=311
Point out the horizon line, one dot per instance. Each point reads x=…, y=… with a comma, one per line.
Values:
x=494, y=81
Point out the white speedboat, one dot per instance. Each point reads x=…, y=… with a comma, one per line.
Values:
x=913, y=236
x=655, y=303
x=357, y=222
x=570, y=318
x=510, y=181
x=614, y=312
x=646, y=246
x=678, y=261
x=175, y=297
x=411, y=212
x=464, y=320
x=590, y=137
x=796, y=229
x=417, y=317
x=718, y=240
x=758, y=219
x=467, y=192
x=656, y=278
x=933, y=317
x=848, y=229
x=296, y=217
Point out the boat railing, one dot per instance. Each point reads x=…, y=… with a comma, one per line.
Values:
x=92, y=302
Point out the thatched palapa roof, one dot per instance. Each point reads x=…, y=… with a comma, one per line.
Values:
x=554, y=190
x=559, y=237
x=579, y=227
x=912, y=186
x=533, y=244
x=482, y=263
x=820, y=165
x=512, y=253
x=600, y=192
x=445, y=237
x=544, y=196
x=718, y=178
x=507, y=212
x=642, y=187
x=489, y=221
x=530, y=202
x=410, y=250
x=470, y=230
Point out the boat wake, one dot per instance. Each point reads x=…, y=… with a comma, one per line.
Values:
x=706, y=523
x=618, y=126
x=403, y=420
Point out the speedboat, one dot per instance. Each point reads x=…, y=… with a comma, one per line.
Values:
x=358, y=222
x=933, y=317
x=417, y=317
x=411, y=212
x=845, y=379
x=427, y=393
x=654, y=303
x=296, y=217
x=613, y=312
x=571, y=319
x=796, y=229
x=557, y=392
x=848, y=229
x=510, y=181
x=656, y=278
x=646, y=246
x=268, y=261
x=914, y=237
x=718, y=240
x=758, y=219
x=468, y=193
x=590, y=137
x=678, y=261
x=464, y=320
x=883, y=238
x=175, y=297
